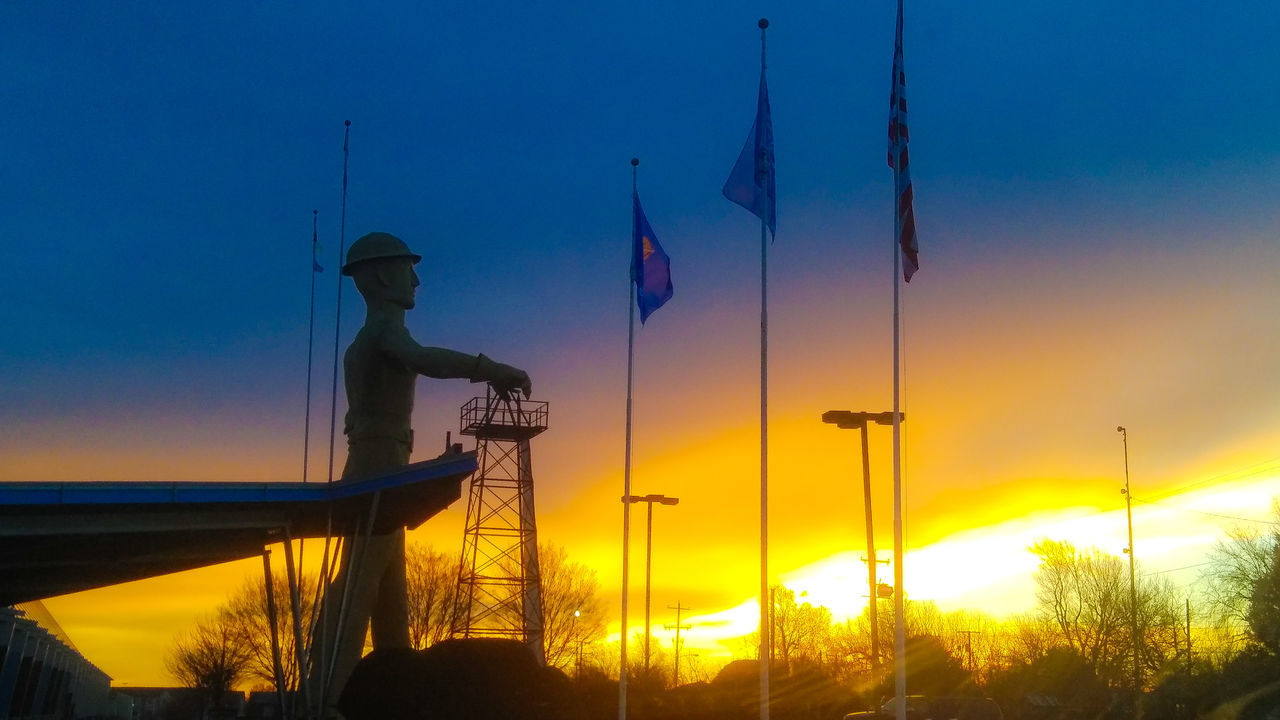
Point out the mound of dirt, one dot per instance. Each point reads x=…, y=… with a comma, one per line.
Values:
x=458, y=679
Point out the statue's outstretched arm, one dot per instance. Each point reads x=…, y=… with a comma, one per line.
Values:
x=445, y=363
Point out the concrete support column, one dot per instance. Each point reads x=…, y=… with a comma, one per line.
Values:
x=50, y=701
x=39, y=676
x=17, y=650
x=8, y=626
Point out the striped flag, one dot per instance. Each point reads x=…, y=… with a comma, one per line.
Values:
x=905, y=215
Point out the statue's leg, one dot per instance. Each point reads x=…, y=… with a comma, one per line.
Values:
x=371, y=562
x=367, y=565
x=390, y=618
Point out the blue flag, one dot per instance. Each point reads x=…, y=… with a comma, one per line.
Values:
x=751, y=182
x=650, y=266
x=315, y=249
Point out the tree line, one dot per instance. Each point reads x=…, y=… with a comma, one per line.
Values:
x=1078, y=647
x=232, y=647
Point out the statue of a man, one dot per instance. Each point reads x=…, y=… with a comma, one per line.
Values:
x=381, y=368
x=383, y=362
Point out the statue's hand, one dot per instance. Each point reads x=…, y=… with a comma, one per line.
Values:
x=504, y=378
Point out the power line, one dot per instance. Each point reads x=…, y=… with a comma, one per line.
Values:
x=1247, y=472
x=1204, y=512
x=1184, y=567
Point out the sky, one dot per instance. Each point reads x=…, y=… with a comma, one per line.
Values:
x=1095, y=201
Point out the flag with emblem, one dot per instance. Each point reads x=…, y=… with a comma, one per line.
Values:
x=905, y=217
x=650, y=266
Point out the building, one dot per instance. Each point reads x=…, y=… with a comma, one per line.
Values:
x=42, y=674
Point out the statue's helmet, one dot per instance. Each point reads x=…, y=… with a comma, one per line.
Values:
x=377, y=246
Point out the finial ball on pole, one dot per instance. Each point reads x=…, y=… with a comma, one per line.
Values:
x=635, y=162
x=348, y=123
x=764, y=23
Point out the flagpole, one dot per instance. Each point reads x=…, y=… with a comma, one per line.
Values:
x=899, y=634
x=766, y=629
x=899, y=630
x=306, y=454
x=322, y=698
x=311, y=333
x=337, y=323
x=626, y=468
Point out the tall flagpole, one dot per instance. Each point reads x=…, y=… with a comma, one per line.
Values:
x=626, y=468
x=337, y=323
x=899, y=630
x=311, y=333
x=766, y=629
x=899, y=633
x=323, y=583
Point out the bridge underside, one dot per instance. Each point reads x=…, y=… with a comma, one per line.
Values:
x=58, y=538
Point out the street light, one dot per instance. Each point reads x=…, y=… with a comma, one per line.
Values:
x=849, y=420
x=648, y=557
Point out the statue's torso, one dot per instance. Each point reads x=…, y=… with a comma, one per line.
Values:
x=379, y=388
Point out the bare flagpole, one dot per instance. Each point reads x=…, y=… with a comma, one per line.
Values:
x=337, y=324
x=766, y=629
x=311, y=334
x=899, y=633
x=333, y=420
x=626, y=468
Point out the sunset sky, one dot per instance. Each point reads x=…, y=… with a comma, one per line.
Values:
x=1096, y=200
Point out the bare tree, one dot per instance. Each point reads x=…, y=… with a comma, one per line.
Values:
x=572, y=612
x=1237, y=566
x=800, y=631
x=210, y=658
x=1027, y=638
x=247, y=618
x=1086, y=595
x=432, y=579
x=1264, y=608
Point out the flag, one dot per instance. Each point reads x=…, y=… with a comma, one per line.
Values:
x=650, y=266
x=751, y=182
x=906, y=217
x=315, y=250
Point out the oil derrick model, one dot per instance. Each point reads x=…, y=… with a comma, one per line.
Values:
x=498, y=587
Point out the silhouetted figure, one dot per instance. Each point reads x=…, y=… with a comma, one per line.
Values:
x=381, y=368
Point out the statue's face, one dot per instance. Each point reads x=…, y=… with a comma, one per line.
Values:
x=402, y=281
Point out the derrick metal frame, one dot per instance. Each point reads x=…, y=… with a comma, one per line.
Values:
x=499, y=592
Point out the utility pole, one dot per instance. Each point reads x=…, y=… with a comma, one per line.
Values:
x=1133, y=584
x=1188, y=637
x=968, y=641
x=677, y=627
x=872, y=605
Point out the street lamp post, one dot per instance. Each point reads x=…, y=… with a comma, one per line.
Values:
x=849, y=420
x=648, y=557
x=1133, y=587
